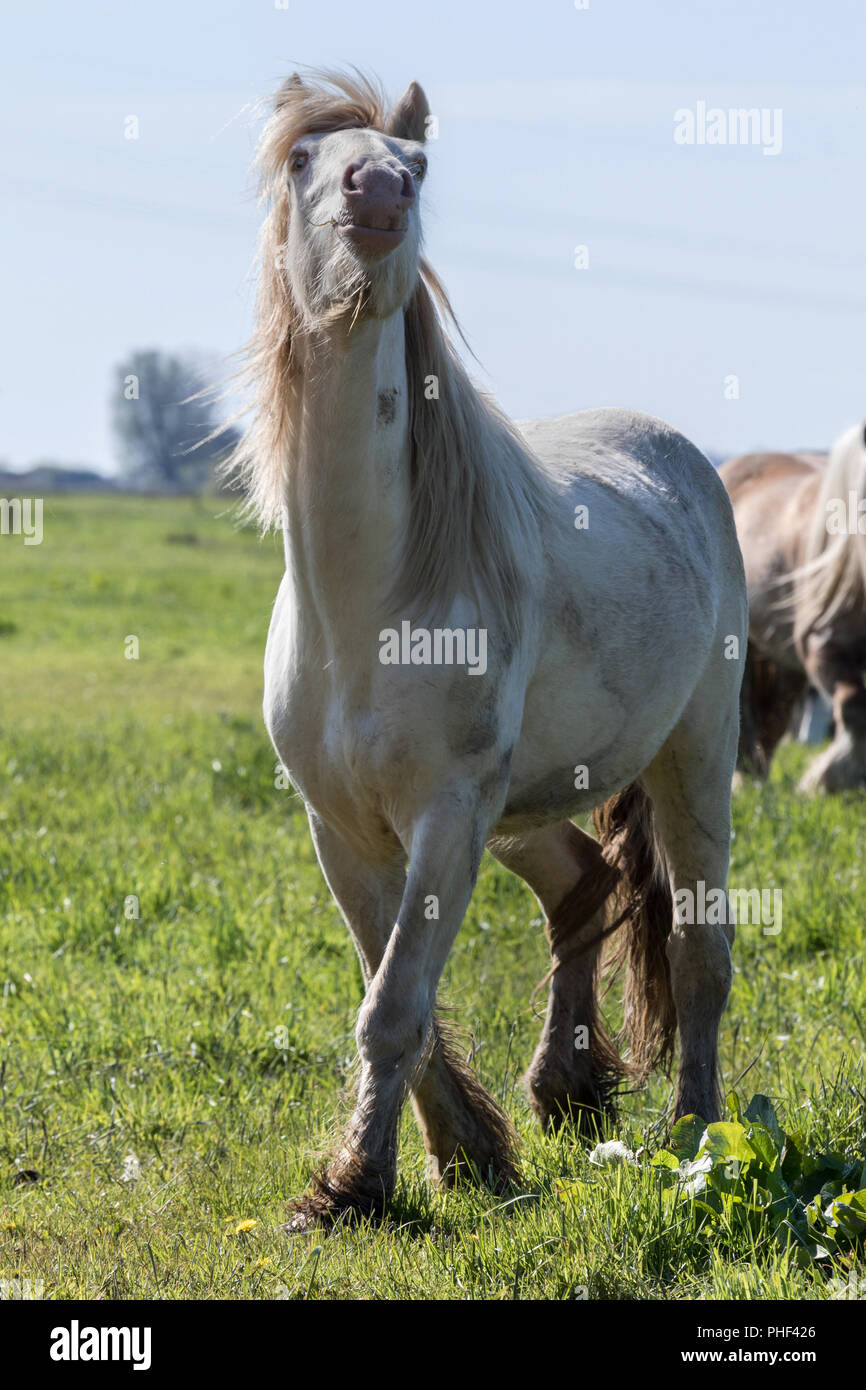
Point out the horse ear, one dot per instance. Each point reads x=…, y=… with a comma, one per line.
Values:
x=408, y=120
x=291, y=88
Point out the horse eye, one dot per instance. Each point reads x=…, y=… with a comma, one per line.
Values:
x=418, y=168
x=298, y=161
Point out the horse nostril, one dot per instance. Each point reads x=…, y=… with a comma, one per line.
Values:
x=372, y=180
x=348, y=181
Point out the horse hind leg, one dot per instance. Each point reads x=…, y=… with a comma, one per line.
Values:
x=576, y=1068
x=465, y=1132
x=689, y=785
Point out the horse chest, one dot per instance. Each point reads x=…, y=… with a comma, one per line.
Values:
x=341, y=756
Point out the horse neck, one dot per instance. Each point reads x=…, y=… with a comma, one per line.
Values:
x=347, y=494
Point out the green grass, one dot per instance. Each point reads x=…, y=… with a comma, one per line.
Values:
x=174, y=1075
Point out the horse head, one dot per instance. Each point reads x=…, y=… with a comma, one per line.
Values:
x=345, y=177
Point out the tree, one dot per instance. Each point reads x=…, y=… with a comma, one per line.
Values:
x=163, y=437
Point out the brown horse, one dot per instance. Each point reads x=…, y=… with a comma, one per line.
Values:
x=801, y=522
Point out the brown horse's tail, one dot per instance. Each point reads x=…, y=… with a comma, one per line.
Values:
x=643, y=915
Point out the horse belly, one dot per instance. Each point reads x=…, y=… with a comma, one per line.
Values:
x=582, y=740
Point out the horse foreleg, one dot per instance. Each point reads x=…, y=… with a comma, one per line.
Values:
x=397, y=1036
x=368, y=895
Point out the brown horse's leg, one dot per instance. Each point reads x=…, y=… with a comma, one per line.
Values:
x=838, y=674
x=849, y=706
x=767, y=698
x=576, y=1066
x=750, y=758
x=778, y=690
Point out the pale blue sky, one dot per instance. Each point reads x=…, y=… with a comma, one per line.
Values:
x=556, y=129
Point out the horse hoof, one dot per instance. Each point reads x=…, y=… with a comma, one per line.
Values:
x=841, y=768
x=584, y=1115
x=332, y=1201
x=312, y=1213
x=300, y=1223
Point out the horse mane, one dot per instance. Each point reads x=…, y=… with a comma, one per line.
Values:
x=331, y=101
x=832, y=576
x=477, y=498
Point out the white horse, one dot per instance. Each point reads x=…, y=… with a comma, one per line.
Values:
x=480, y=633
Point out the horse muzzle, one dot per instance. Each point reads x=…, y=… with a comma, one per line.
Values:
x=377, y=199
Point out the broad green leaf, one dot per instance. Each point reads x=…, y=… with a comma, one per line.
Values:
x=664, y=1159
x=792, y=1159
x=824, y=1166
x=725, y=1140
x=686, y=1135
x=828, y=1194
x=763, y=1143
x=761, y=1108
x=818, y=1171
x=849, y=1212
x=708, y=1202
x=732, y=1105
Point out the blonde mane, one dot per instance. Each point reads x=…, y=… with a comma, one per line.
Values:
x=477, y=499
x=832, y=577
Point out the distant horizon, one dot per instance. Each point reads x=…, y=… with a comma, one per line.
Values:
x=716, y=456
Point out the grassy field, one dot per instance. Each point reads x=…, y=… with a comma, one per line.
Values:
x=178, y=993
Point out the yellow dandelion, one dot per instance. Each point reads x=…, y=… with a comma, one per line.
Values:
x=243, y=1226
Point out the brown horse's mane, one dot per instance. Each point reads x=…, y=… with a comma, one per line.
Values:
x=831, y=579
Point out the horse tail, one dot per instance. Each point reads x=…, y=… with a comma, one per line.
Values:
x=643, y=908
